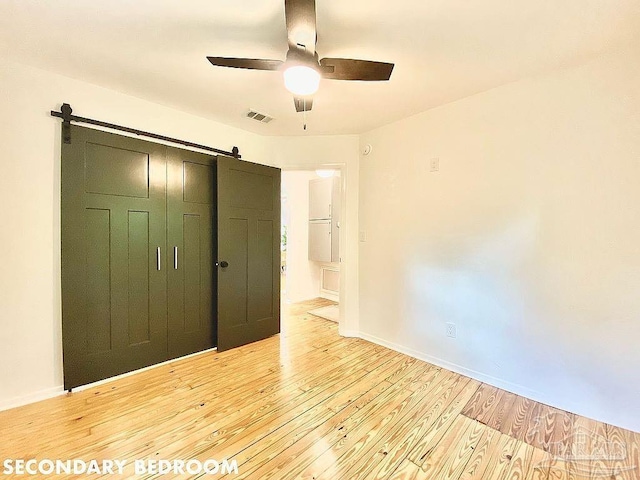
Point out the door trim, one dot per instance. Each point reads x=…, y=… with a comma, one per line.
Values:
x=347, y=327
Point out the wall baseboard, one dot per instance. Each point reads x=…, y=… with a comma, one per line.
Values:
x=56, y=391
x=32, y=398
x=350, y=334
x=467, y=372
x=565, y=404
x=518, y=389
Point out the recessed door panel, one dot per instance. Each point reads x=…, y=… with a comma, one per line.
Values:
x=234, y=286
x=198, y=181
x=261, y=294
x=192, y=273
x=98, y=275
x=253, y=190
x=138, y=278
x=112, y=170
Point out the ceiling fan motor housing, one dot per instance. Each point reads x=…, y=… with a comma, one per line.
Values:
x=302, y=57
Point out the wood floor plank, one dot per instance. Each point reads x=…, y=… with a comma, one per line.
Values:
x=629, y=467
x=322, y=402
x=501, y=411
x=335, y=458
x=491, y=458
x=408, y=471
x=257, y=455
x=538, y=465
x=338, y=461
x=481, y=406
x=621, y=468
x=346, y=396
x=291, y=461
x=229, y=429
x=437, y=430
x=209, y=410
x=452, y=464
x=390, y=452
x=551, y=429
x=517, y=422
x=585, y=452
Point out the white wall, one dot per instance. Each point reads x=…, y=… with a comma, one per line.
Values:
x=30, y=318
x=303, y=276
x=528, y=238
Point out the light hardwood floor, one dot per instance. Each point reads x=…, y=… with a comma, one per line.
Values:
x=310, y=404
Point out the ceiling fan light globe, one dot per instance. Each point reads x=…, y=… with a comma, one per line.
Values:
x=301, y=80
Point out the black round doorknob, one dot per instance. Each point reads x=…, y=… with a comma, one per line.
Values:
x=224, y=264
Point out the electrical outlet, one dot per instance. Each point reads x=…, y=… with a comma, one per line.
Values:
x=434, y=164
x=451, y=330
x=363, y=235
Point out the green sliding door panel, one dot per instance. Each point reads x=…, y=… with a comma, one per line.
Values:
x=248, y=252
x=143, y=227
x=191, y=181
x=113, y=255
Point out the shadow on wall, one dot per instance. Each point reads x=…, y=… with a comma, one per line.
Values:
x=477, y=283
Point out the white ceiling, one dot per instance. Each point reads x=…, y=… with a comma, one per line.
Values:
x=443, y=50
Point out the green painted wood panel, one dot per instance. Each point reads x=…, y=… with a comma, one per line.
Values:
x=192, y=270
x=251, y=190
x=114, y=314
x=138, y=278
x=116, y=171
x=249, y=240
x=98, y=275
x=198, y=181
x=261, y=295
x=234, y=282
x=191, y=197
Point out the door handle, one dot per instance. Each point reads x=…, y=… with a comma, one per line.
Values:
x=158, y=258
x=223, y=264
x=175, y=258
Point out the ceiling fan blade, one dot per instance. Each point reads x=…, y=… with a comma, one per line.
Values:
x=250, y=63
x=303, y=104
x=301, y=24
x=349, y=69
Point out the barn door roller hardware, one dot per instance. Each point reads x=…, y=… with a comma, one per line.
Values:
x=65, y=114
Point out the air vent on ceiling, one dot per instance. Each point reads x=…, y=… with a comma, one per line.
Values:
x=260, y=117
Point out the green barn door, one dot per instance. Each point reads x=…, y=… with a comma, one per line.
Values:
x=113, y=255
x=190, y=221
x=248, y=252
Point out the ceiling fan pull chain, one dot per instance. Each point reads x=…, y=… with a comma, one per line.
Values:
x=304, y=114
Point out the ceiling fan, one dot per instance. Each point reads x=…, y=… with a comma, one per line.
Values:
x=302, y=69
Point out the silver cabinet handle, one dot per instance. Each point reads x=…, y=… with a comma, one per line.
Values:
x=158, y=258
x=175, y=258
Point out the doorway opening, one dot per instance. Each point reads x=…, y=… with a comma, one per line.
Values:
x=310, y=240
